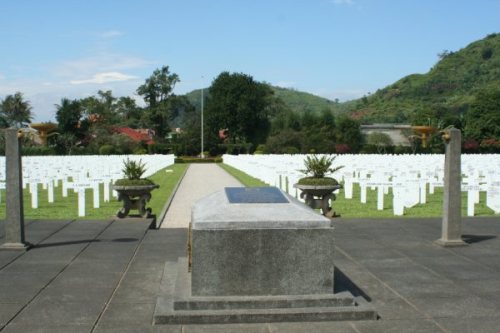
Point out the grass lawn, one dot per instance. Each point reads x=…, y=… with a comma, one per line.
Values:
x=355, y=209
x=242, y=177
x=67, y=208
x=433, y=207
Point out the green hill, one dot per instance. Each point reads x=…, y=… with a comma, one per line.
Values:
x=441, y=96
x=300, y=101
x=444, y=92
x=297, y=101
x=194, y=97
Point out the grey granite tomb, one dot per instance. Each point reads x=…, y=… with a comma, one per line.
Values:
x=258, y=255
x=277, y=246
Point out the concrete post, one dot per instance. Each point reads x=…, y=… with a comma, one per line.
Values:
x=451, y=232
x=14, y=221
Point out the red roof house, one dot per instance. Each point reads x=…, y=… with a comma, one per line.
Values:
x=140, y=134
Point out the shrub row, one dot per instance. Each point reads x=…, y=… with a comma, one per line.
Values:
x=187, y=159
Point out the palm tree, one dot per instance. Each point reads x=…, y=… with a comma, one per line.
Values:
x=15, y=110
x=68, y=115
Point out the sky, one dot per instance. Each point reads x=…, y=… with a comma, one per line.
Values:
x=341, y=49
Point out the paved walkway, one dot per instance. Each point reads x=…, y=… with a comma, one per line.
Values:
x=200, y=180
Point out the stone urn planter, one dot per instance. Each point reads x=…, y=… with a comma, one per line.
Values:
x=134, y=191
x=134, y=197
x=319, y=196
x=317, y=190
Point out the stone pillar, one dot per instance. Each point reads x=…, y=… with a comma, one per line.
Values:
x=14, y=221
x=451, y=230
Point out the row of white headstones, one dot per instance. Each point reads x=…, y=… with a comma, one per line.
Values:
x=79, y=173
x=410, y=177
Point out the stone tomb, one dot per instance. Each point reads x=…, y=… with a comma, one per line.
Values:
x=258, y=255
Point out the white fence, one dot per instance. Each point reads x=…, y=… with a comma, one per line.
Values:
x=79, y=173
x=410, y=177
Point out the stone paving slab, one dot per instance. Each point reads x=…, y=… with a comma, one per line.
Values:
x=55, y=285
x=415, y=285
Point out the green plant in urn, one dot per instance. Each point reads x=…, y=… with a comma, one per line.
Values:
x=317, y=189
x=134, y=190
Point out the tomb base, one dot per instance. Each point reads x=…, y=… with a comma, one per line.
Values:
x=178, y=306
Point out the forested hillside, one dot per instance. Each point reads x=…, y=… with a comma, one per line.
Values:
x=462, y=89
x=443, y=95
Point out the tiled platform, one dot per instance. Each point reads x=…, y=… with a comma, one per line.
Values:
x=105, y=276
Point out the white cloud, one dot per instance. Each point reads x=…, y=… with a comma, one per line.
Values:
x=78, y=78
x=111, y=34
x=105, y=62
x=342, y=2
x=2, y=77
x=106, y=77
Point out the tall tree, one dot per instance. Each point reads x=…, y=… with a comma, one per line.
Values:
x=158, y=87
x=71, y=128
x=241, y=105
x=157, y=93
x=101, y=109
x=129, y=112
x=68, y=115
x=15, y=110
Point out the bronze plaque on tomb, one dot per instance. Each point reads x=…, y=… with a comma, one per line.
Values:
x=252, y=195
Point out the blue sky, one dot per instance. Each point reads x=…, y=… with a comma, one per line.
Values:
x=332, y=48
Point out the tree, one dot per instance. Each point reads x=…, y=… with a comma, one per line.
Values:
x=129, y=112
x=66, y=143
x=240, y=104
x=327, y=120
x=158, y=87
x=15, y=110
x=157, y=93
x=308, y=119
x=189, y=141
x=68, y=115
x=286, y=141
x=159, y=117
x=348, y=131
x=293, y=121
x=101, y=109
x=483, y=118
x=70, y=128
x=379, y=140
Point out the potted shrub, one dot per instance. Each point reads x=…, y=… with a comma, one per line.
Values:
x=134, y=190
x=317, y=189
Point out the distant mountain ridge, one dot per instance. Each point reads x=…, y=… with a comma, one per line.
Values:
x=448, y=87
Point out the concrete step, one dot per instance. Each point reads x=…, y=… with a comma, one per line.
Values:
x=263, y=302
x=177, y=306
x=335, y=313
